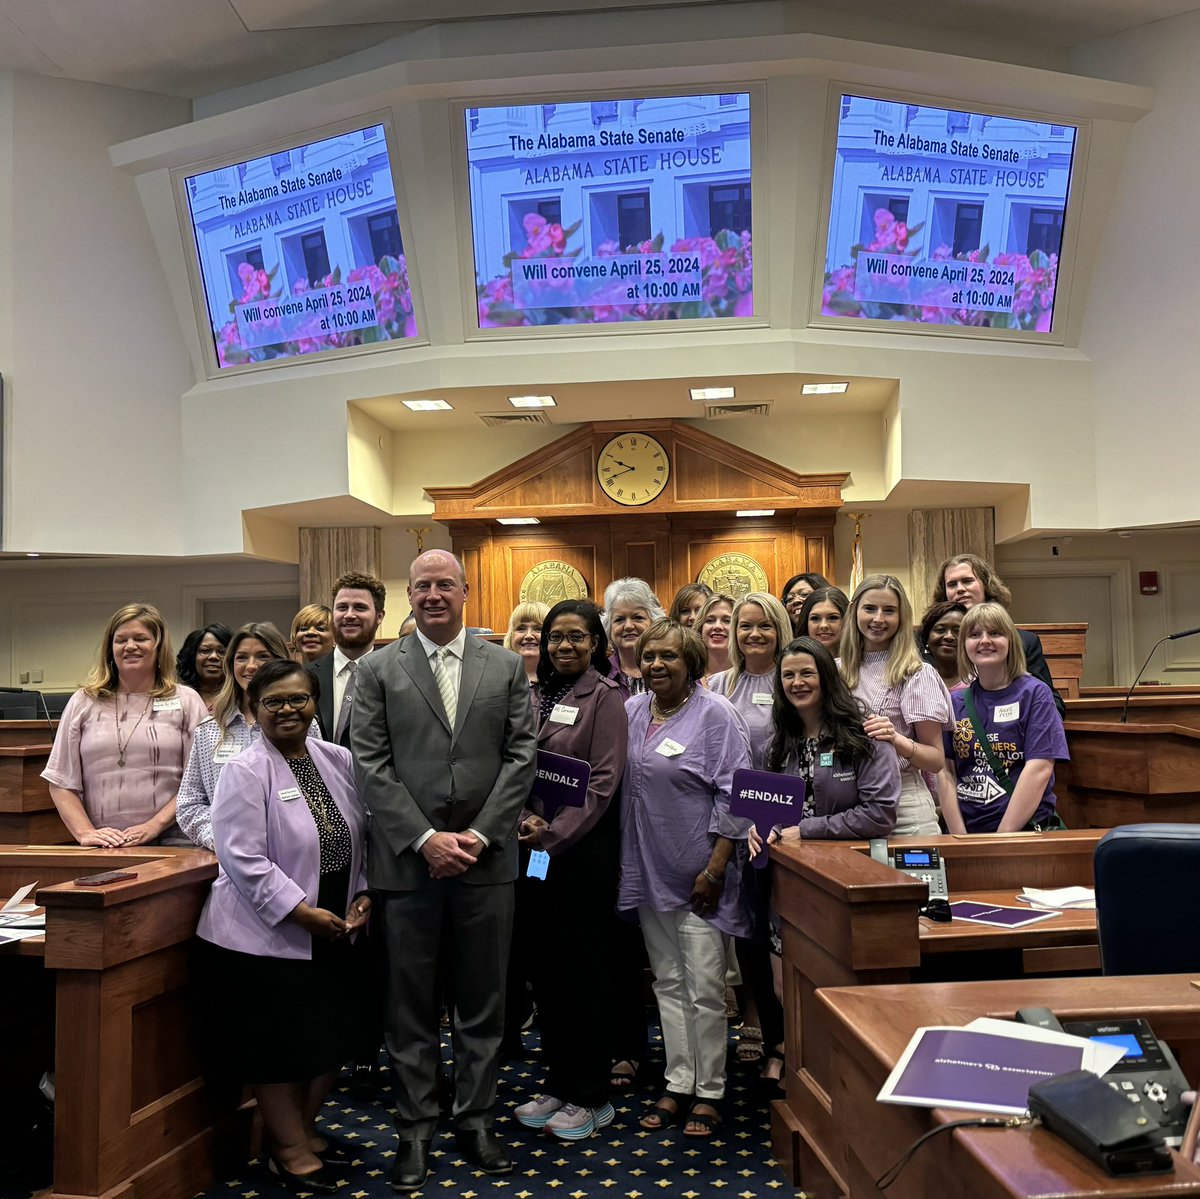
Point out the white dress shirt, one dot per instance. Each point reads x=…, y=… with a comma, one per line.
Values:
x=452, y=665
x=341, y=678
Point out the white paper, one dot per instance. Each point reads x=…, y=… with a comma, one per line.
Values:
x=20, y=934
x=1099, y=1057
x=18, y=898
x=1060, y=898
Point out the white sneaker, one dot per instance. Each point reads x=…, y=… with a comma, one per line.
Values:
x=538, y=1110
x=574, y=1123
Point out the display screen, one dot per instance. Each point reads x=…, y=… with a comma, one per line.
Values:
x=909, y=857
x=611, y=211
x=300, y=251
x=1126, y=1041
x=945, y=217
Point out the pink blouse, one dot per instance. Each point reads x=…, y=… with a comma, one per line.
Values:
x=156, y=735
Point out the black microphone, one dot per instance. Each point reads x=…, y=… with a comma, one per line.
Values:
x=1138, y=678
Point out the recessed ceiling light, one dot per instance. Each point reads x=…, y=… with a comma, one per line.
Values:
x=756, y=512
x=531, y=401
x=428, y=405
x=824, y=389
x=517, y=520
x=705, y=394
x=33, y=555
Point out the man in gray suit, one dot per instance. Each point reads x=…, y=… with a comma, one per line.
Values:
x=443, y=739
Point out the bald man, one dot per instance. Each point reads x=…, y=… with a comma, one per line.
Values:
x=443, y=739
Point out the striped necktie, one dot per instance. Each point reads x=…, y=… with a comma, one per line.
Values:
x=445, y=684
x=343, y=719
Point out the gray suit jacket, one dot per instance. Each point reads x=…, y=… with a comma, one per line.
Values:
x=416, y=773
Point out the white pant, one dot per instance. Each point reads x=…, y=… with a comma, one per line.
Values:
x=915, y=815
x=687, y=955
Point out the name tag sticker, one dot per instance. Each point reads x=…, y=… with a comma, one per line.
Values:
x=564, y=714
x=825, y=760
x=1007, y=713
x=289, y=793
x=539, y=859
x=762, y=698
x=168, y=705
x=670, y=749
x=225, y=753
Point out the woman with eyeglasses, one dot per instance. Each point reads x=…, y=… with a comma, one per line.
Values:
x=287, y=994
x=232, y=729
x=566, y=916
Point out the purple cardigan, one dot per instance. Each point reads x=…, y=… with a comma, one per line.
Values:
x=269, y=852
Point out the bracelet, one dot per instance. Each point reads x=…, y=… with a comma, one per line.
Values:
x=716, y=882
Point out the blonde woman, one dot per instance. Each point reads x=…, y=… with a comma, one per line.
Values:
x=124, y=738
x=312, y=633
x=714, y=623
x=1006, y=785
x=524, y=635
x=905, y=700
x=230, y=732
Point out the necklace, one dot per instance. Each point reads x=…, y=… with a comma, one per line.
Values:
x=122, y=748
x=658, y=713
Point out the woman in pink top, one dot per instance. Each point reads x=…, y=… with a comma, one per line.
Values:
x=124, y=738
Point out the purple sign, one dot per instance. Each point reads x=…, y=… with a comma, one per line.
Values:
x=1000, y=917
x=560, y=782
x=959, y=1067
x=767, y=799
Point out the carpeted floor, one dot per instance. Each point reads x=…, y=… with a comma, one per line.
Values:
x=622, y=1162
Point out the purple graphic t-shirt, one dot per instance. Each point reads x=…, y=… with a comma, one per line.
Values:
x=1021, y=722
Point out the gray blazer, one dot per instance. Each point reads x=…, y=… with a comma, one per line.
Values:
x=415, y=773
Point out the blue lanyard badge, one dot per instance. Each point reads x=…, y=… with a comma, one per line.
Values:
x=539, y=859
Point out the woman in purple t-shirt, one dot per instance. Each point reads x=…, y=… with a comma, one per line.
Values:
x=1008, y=785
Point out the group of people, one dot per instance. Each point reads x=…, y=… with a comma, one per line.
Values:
x=378, y=827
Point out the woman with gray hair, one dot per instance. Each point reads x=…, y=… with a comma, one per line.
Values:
x=630, y=607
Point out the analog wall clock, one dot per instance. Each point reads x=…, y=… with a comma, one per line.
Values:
x=633, y=469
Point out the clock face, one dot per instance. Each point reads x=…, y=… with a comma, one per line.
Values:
x=633, y=469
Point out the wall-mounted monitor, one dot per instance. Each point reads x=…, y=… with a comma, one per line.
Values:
x=946, y=218
x=300, y=251
x=611, y=211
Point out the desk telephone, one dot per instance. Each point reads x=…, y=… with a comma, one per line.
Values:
x=922, y=863
x=1148, y=1074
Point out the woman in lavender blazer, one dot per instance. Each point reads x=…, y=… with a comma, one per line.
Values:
x=287, y=990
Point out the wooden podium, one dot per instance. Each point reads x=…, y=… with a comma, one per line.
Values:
x=1129, y=774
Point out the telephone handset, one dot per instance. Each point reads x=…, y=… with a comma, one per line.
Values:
x=1147, y=1074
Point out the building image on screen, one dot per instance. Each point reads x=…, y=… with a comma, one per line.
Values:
x=611, y=211
x=300, y=251
x=944, y=217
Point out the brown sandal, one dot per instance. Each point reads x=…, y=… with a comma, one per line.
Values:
x=710, y=1121
x=662, y=1116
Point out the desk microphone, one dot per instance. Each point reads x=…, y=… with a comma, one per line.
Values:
x=1138, y=679
x=46, y=707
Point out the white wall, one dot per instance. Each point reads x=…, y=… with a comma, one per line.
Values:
x=93, y=372
x=52, y=613
x=1140, y=330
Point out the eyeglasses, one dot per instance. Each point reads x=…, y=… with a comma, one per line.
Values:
x=574, y=637
x=276, y=703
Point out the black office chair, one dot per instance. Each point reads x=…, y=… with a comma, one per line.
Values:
x=1147, y=889
x=18, y=707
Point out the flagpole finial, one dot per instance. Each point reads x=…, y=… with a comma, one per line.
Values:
x=857, y=572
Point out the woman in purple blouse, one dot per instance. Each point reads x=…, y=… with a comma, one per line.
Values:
x=287, y=991
x=681, y=853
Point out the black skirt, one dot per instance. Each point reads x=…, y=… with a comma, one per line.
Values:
x=288, y=1019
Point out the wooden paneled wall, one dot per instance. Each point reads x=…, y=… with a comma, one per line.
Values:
x=666, y=551
x=934, y=534
x=327, y=553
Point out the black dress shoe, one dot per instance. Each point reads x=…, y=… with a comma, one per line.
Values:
x=336, y=1151
x=411, y=1167
x=319, y=1182
x=481, y=1148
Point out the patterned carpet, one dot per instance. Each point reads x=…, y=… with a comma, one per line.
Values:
x=622, y=1162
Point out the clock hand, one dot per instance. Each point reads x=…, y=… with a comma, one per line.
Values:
x=619, y=473
x=624, y=464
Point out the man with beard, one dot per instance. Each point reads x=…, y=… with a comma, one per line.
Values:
x=358, y=601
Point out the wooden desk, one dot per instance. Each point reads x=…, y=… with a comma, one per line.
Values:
x=1129, y=774
x=869, y=1028
x=1147, y=705
x=27, y=813
x=134, y=1114
x=847, y=920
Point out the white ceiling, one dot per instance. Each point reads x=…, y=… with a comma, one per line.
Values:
x=197, y=47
